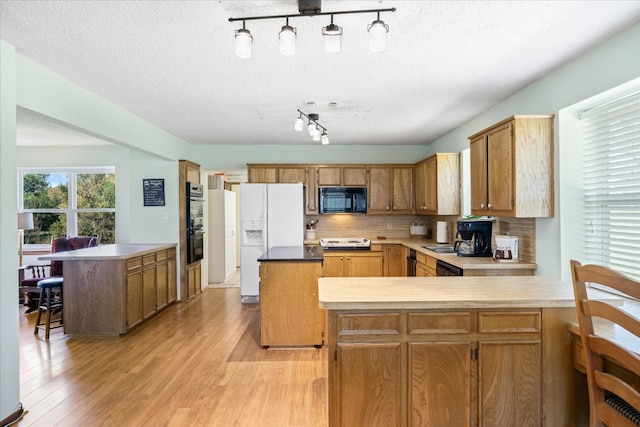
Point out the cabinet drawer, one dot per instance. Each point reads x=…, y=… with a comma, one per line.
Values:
x=149, y=259
x=134, y=263
x=514, y=322
x=368, y=324
x=440, y=323
x=161, y=255
x=426, y=260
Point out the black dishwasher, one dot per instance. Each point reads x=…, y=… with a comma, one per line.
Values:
x=411, y=263
x=446, y=269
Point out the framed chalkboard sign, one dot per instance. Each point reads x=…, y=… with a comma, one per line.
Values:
x=153, y=191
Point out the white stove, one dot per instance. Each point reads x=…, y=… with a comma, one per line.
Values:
x=346, y=243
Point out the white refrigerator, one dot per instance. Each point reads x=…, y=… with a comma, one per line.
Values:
x=270, y=215
x=222, y=235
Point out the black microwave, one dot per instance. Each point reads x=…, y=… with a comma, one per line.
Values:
x=342, y=200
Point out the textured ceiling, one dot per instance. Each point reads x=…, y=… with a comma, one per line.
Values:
x=173, y=63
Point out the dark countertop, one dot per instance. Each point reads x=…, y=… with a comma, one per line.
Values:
x=293, y=254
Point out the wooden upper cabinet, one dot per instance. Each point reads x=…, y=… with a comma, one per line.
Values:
x=438, y=185
x=391, y=189
x=292, y=175
x=262, y=174
x=403, y=190
x=379, y=197
x=512, y=168
x=354, y=176
x=311, y=191
x=329, y=176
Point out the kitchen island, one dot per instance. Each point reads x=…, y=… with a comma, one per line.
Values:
x=449, y=351
x=289, y=312
x=109, y=289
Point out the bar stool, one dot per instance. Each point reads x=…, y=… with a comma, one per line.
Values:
x=49, y=304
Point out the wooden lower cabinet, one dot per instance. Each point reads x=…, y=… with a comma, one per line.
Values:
x=395, y=260
x=354, y=263
x=194, y=279
x=150, y=285
x=289, y=311
x=435, y=368
x=425, y=265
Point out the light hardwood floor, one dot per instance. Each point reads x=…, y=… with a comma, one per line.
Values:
x=197, y=363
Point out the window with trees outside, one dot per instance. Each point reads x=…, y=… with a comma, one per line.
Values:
x=68, y=202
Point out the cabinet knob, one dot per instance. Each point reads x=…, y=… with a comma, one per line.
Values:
x=387, y=207
x=348, y=258
x=489, y=206
x=394, y=208
x=482, y=205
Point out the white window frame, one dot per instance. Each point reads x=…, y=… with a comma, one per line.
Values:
x=72, y=211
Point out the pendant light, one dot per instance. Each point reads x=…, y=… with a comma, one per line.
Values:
x=299, y=123
x=244, y=39
x=332, y=37
x=287, y=39
x=325, y=138
x=377, y=34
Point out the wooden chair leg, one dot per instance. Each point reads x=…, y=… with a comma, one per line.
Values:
x=39, y=315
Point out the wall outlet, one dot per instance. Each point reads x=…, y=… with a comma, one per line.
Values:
x=389, y=226
x=165, y=215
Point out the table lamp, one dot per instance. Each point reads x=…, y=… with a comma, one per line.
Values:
x=25, y=222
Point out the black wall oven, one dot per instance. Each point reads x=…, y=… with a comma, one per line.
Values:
x=195, y=222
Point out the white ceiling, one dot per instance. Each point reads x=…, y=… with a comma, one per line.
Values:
x=173, y=63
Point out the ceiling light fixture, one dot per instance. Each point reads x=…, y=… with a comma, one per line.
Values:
x=332, y=33
x=316, y=130
x=287, y=39
x=332, y=37
x=243, y=42
x=377, y=34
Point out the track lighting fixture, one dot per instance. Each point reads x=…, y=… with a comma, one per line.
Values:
x=316, y=130
x=243, y=42
x=377, y=34
x=332, y=33
x=287, y=39
x=332, y=37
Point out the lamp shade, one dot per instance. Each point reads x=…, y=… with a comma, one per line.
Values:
x=287, y=40
x=332, y=38
x=377, y=34
x=244, y=39
x=299, y=124
x=325, y=138
x=25, y=221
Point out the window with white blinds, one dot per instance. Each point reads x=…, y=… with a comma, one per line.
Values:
x=611, y=198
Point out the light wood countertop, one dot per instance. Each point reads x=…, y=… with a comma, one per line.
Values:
x=336, y=293
x=107, y=252
x=466, y=263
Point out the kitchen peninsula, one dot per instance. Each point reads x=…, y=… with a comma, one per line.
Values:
x=463, y=351
x=109, y=289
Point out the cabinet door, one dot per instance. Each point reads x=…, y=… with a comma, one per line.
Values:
x=440, y=384
x=421, y=191
x=172, y=276
x=478, y=155
x=329, y=176
x=509, y=384
x=369, y=265
x=311, y=191
x=333, y=266
x=162, y=285
x=292, y=175
x=353, y=176
x=379, y=189
x=402, y=189
x=500, y=170
x=369, y=384
x=148, y=291
x=431, y=185
x=395, y=261
x=263, y=174
x=134, y=298
x=193, y=276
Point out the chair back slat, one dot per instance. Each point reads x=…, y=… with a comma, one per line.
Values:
x=612, y=400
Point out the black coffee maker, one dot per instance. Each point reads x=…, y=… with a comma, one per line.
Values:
x=476, y=238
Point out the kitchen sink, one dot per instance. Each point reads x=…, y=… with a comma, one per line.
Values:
x=441, y=249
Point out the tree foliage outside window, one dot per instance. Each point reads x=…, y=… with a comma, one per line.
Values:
x=69, y=202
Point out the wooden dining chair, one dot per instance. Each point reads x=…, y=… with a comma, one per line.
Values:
x=613, y=400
